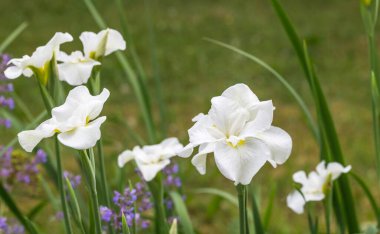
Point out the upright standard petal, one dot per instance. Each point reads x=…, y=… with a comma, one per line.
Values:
x=243, y=95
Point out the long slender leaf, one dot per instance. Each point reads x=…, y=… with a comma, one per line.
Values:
x=37, y=209
x=329, y=137
x=259, y=227
x=7, y=41
x=182, y=212
x=173, y=228
x=269, y=209
x=125, y=227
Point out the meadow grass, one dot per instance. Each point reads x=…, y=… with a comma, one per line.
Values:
x=193, y=70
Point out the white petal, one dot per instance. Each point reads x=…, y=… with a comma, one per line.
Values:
x=59, y=38
x=115, y=42
x=300, y=177
x=241, y=163
x=124, y=158
x=228, y=116
x=199, y=133
x=90, y=42
x=83, y=137
x=199, y=160
x=296, y=202
x=243, y=95
x=186, y=151
x=262, y=120
x=171, y=146
x=30, y=139
x=279, y=143
x=336, y=169
x=149, y=171
x=80, y=99
x=76, y=73
x=13, y=72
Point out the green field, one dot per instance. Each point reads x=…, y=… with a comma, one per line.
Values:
x=193, y=70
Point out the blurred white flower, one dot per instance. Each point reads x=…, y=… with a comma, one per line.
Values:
x=151, y=159
x=76, y=121
x=75, y=69
x=315, y=185
x=101, y=44
x=39, y=62
x=238, y=130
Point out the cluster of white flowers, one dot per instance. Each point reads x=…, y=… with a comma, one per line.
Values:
x=315, y=185
x=75, y=68
x=76, y=121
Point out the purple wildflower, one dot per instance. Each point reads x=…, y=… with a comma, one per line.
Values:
x=16, y=166
x=10, y=226
x=105, y=213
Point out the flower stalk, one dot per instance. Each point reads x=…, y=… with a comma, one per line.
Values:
x=157, y=189
x=242, y=198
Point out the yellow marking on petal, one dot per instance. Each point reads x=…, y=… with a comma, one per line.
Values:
x=239, y=143
x=57, y=131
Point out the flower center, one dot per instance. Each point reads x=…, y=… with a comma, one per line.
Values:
x=235, y=141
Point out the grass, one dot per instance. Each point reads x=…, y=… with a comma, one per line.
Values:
x=193, y=71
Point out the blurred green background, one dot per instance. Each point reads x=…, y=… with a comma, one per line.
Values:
x=193, y=70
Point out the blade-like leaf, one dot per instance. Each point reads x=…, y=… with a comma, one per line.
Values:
x=37, y=209
x=182, y=213
x=125, y=227
x=173, y=228
x=7, y=41
x=259, y=228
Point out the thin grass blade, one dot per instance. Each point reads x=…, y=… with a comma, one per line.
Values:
x=182, y=213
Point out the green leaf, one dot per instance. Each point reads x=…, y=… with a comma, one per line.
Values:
x=268, y=210
x=309, y=119
x=74, y=202
x=37, y=209
x=182, y=213
x=7, y=41
x=328, y=141
x=259, y=228
x=369, y=195
x=376, y=119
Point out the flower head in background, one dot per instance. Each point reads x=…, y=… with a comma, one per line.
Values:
x=151, y=159
x=75, y=180
x=15, y=166
x=105, y=42
x=75, y=69
x=76, y=121
x=238, y=131
x=5, y=89
x=39, y=63
x=10, y=226
x=314, y=186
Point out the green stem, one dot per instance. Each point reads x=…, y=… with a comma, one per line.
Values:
x=62, y=190
x=157, y=189
x=89, y=170
x=242, y=197
x=328, y=204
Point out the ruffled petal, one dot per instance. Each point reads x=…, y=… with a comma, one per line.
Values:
x=243, y=95
x=262, y=120
x=90, y=43
x=30, y=139
x=199, y=160
x=76, y=73
x=149, y=171
x=115, y=41
x=13, y=72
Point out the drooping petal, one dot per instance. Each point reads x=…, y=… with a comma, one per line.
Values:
x=83, y=137
x=199, y=133
x=296, y=202
x=149, y=171
x=300, y=177
x=20, y=67
x=199, y=160
x=186, y=151
x=241, y=163
x=171, y=146
x=29, y=139
x=125, y=157
x=336, y=169
x=279, y=143
x=59, y=38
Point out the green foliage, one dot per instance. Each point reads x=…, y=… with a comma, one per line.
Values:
x=182, y=213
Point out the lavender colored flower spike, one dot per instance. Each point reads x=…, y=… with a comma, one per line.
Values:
x=75, y=180
x=106, y=213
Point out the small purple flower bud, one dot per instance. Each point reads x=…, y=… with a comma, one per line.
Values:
x=105, y=213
